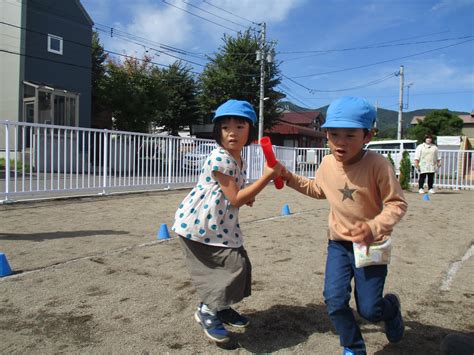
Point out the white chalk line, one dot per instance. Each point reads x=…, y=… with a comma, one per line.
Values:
x=111, y=252
x=454, y=268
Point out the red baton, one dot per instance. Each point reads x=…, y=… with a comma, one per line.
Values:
x=266, y=144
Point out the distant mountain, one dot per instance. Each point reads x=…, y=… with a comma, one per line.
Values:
x=386, y=119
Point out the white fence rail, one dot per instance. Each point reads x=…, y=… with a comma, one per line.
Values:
x=47, y=161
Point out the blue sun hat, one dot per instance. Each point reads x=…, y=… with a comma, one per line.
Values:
x=236, y=108
x=350, y=112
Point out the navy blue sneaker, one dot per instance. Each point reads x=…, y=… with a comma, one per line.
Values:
x=394, y=328
x=231, y=317
x=212, y=326
x=347, y=351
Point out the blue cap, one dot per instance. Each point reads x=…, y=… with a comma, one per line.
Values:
x=236, y=108
x=350, y=112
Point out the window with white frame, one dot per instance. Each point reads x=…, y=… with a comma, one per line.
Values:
x=55, y=44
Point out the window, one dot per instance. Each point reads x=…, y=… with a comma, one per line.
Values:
x=55, y=44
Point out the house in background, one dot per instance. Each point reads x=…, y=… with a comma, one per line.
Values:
x=299, y=129
x=467, y=128
x=294, y=129
x=45, y=62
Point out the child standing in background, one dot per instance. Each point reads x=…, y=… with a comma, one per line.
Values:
x=366, y=201
x=207, y=222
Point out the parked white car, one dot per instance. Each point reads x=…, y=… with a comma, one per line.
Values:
x=395, y=148
x=194, y=160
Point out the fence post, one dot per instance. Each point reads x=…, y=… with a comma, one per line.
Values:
x=249, y=163
x=170, y=158
x=106, y=155
x=7, y=162
x=457, y=171
x=295, y=156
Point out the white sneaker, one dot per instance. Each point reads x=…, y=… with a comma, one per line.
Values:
x=421, y=191
x=431, y=191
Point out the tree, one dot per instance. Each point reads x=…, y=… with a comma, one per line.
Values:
x=180, y=89
x=390, y=159
x=405, y=170
x=98, y=78
x=134, y=94
x=437, y=123
x=387, y=133
x=234, y=73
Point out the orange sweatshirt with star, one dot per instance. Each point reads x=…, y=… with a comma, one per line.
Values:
x=367, y=191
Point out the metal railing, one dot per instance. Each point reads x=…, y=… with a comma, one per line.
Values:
x=47, y=161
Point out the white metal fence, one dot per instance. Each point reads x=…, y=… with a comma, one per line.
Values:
x=46, y=161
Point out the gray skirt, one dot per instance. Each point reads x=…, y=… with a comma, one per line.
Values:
x=221, y=276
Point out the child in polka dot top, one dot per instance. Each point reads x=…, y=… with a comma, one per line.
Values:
x=207, y=222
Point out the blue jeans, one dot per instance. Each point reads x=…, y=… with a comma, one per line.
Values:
x=369, y=283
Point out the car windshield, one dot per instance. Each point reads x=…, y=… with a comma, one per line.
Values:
x=384, y=146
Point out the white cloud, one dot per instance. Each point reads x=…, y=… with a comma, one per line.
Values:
x=166, y=24
x=257, y=11
x=438, y=74
x=451, y=5
x=155, y=25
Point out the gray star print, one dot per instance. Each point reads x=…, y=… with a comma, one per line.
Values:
x=347, y=192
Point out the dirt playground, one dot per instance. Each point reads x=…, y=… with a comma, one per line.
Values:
x=90, y=276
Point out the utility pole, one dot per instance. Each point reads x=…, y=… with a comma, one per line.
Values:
x=400, y=106
x=262, y=54
x=376, y=111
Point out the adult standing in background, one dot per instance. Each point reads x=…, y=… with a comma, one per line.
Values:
x=427, y=162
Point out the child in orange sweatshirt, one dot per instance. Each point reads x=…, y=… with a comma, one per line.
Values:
x=366, y=201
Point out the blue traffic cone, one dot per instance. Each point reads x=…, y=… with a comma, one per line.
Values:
x=285, y=211
x=163, y=232
x=426, y=197
x=5, y=269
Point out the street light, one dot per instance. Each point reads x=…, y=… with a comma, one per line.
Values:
x=408, y=94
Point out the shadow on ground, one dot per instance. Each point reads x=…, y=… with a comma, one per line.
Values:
x=419, y=338
x=281, y=327
x=39, y=237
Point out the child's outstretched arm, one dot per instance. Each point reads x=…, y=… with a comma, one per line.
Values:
x=302, y=184
x=237, y=197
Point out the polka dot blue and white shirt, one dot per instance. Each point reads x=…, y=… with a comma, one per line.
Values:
x=205, y=215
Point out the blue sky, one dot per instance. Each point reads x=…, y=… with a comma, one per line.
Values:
x=323, y=46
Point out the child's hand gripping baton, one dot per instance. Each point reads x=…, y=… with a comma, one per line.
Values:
x=266, y=144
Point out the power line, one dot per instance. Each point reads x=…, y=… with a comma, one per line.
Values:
x=82, y=66
x=370, y=83
x=294, y=98
x=163, y=52
x=46, y=59
x=116, y=32
x=381, y=62
x=203, y=18
x=320, y=52
x=66, y=17
x=90, y=46
x=210, y=13
x=231, y=13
